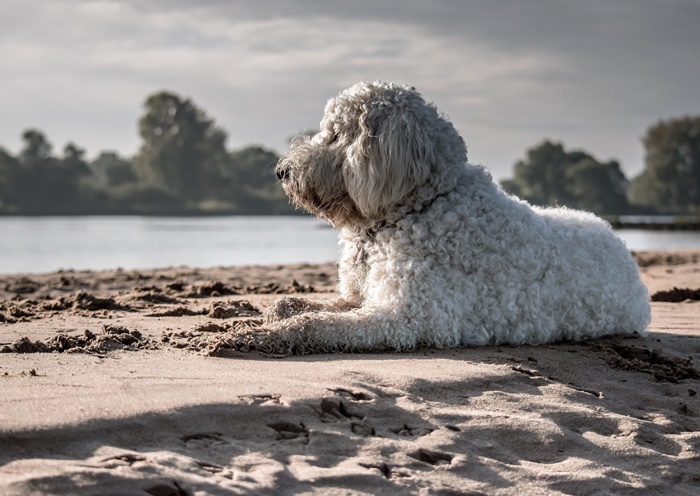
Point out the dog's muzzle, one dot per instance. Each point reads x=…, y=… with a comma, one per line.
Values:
x=282, y=171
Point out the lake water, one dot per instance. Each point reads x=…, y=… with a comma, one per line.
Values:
x=43, y=244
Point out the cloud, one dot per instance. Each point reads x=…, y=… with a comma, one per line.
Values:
x=593, y=74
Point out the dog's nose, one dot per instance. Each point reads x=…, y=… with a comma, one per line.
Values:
x=282, y=173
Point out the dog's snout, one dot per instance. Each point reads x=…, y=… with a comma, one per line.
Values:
x=282, y=172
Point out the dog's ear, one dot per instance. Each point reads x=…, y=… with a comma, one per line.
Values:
x=391, y=157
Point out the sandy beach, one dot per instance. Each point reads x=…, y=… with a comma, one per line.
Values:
x=121, y=382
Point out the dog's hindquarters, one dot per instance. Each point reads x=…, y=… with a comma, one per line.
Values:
x=593, y=287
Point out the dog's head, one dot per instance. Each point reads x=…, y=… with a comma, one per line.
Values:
x=379, y=145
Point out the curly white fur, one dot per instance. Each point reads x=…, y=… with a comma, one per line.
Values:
x=433, y=251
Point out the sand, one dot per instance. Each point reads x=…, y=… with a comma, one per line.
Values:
x=120, y=382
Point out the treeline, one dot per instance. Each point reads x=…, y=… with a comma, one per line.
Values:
x=183, y=167
x=669, y=183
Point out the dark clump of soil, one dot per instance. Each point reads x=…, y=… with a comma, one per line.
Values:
x=23, y=285
x=63, y=342
x=67, y=282
x=112, y=338
x=84, y=301
x=228, y=310
x=59, y=343
x=432, y=457
x=221, y=289
x=156, y=297
x=273, y=288
x=6, y=319
x=215, y=288
x=176, y=286
x=122, y=334
x=662, y=367
x=212, y=327
x=25, y=345
x=177, y=312
x=649, y=259
x=289, y=430
x=676, y=295
x=16, y=313
x=87, y=301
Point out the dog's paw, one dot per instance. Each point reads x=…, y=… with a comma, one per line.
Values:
x=283, y=339
x=254, y=338
x=286, y=307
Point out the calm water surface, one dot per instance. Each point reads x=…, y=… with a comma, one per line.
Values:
x=50, y=243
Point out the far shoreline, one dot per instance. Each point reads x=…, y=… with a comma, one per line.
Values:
x=659, y=222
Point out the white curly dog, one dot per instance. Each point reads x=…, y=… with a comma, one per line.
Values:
x=434, y=253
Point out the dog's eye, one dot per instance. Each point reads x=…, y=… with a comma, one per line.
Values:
x=333, y=139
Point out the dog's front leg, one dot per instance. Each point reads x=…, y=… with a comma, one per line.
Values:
x=360, y=329
x=289, y=306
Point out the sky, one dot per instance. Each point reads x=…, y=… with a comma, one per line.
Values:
x=592, y=74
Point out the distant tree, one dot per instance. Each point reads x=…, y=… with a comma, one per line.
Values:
x=73, y=163
x=541, y=176
x=255, y=166
x=598, y=187
x=35, y=186
x=36, y=149
x=111, y=170
x=45, y=183
x=9, y=176
x=182, y=167
x=183, y=150
x=144, y=200
x=670, y=181
x=550, y=175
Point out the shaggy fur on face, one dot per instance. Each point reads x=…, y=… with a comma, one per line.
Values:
x=434, y=253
